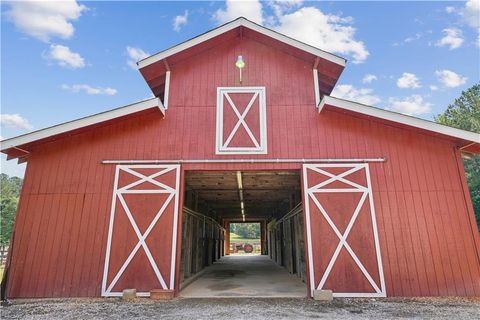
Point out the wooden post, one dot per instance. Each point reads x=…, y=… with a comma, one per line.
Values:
x=226, y=225
x=263, y=237
x=195, y=201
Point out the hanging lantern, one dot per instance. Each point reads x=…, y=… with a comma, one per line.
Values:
x=240, y=65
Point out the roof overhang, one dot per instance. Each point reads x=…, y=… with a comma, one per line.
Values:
x=19, y=147
x=241, y=22
x=468, y=141
x=153, y=68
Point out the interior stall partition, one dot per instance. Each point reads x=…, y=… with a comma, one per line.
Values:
x=203, y=241
x=286, y=245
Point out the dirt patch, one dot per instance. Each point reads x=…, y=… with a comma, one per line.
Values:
x=238, y=308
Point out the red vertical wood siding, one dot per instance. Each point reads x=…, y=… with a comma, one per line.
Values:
x=428, y=241
x=139, y=272
x=345, y=276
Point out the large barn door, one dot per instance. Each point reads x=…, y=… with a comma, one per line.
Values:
x=142, y=233
x=342, y=239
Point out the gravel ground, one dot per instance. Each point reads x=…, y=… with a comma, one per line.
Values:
x=211, y=309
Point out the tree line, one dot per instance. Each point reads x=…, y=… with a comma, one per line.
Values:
x=9, y=195
x=246, y=230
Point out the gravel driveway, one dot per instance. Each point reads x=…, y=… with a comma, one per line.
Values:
x=211, y=309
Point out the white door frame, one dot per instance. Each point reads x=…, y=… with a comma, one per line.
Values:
x=173, y=195
x=367, y=195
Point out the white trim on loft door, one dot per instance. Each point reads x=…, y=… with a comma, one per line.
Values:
x=222, y=145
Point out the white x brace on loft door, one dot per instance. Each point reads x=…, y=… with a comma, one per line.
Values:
x=241, y=126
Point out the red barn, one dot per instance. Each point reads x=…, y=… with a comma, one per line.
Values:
x=354, y=199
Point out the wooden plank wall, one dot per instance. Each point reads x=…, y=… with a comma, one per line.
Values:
x=272, y=251
x=299, y=245
x=289, y=242
x=428, y=242
x=202, y=240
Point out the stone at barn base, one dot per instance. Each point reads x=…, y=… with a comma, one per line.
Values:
x=129, y=294
x=323, y=295
x=160, y=294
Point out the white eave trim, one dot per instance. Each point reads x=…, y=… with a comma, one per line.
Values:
x=82, y=122
x=235, y=24
x=399, y=118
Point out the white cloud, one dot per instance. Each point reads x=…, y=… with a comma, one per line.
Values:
x=179, y=21
x=89, y=89
x=279, y=7
x=328, y=32
x=417, y=36
x=14, y=121
x=135, y=55
x=470, y=14
x=412, y=105
x=333, y=33
x=453, y=38
x=408, y=81
x=368, y=78
x=45, y=19
x=410, y=39
x=450, y=9
x=250, y=9
x=450, y=79
x=64, y=57
x=362, y=95
x=433, y=87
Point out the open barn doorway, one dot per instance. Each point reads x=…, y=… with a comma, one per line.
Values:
x=245, y=238
x=242, y=235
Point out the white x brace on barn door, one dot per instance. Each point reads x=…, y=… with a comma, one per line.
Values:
x=142, y=234
x=342, y=238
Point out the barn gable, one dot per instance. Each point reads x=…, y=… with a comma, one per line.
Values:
x=326, y=67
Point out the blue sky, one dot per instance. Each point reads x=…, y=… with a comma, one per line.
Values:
x=66, y=60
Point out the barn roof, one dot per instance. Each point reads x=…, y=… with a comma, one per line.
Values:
x=19, y=147
x=154, y=68
x=469, y=141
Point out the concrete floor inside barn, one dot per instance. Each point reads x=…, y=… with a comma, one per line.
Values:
x=245, y=276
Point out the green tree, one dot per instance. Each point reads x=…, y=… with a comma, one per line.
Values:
x=246, y=230
x=464, y=113
x=9, y=193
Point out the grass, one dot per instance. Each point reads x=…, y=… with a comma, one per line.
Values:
x=2, y=267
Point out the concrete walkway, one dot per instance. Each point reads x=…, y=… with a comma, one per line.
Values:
x=245, y=276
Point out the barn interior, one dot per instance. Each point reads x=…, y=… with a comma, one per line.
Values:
x=215, y=199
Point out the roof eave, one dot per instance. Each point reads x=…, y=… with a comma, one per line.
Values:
x=17, y=142
x=352, y=106
x=235, y=24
